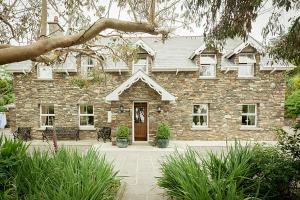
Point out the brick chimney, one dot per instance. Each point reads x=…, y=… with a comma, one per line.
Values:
x=54, y=28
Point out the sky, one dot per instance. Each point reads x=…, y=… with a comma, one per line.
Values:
x=258, y=25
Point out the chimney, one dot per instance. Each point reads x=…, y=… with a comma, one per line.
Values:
x=54, y=28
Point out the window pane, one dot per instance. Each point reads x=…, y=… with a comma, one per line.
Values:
x=90, y=120
x=196, y=120
x=244, y=120
x=203, y=108
x=207, y=70
x=203, y=120
x=245, y=109
x=251, y=109
x=47, y=120
x=89, y=109
x=251, y=120
x=196, y=109
x=141, y=61
x=83, y=120
x=245, y=70
x=90, y=61
x=47, y=109
x=83, y=109
x=45, y=72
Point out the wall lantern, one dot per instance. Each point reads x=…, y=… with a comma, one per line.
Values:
x=121, y=108
x=158, y=109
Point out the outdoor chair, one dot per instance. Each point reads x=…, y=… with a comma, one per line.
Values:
x=104, y=133
x=22, y=133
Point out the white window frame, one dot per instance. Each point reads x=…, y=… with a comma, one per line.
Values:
x=46, y=115
x=84, y=115
x=44, y=78
x=246, y=54
x=208, y=55
x=250, y=114
x=246, y=76
x=206, y=76
x=86, y=66
x=134, y=65
x=200, y=114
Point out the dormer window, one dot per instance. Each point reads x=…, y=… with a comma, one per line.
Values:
x=246, y=65
x=140, y=64
x=87, y=65
x=207, y=65
x=247, y=58
x=44, y=72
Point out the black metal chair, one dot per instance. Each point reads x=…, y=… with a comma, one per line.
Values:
x=104, y=133
x=22, y=133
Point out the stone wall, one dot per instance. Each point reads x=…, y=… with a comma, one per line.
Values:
x=225, y=94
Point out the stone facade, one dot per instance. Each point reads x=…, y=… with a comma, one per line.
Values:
x=224, y=95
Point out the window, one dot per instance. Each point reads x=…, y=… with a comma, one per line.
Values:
x=207, y=71
x=44, y=72
x=86, y=115
x=47, y=115
x=208, y=65
x=249, y=115
x=200, y=115
x=140, y=64
x=246, y=58
x=246, y=71
x=88, y=66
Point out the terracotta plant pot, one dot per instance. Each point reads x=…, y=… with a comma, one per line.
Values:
x=122, y=142
x=162, y=143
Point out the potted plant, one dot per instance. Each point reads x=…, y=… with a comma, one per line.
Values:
x=163, y=135
x=122, y=133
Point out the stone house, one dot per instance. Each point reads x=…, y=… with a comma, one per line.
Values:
x=235, y=92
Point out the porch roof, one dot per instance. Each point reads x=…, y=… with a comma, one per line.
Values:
x=139, y=75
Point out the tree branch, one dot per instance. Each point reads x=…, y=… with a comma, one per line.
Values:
x=21, y=53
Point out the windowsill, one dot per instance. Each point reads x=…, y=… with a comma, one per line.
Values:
x=43, y=79
x=207, y=78
x=82, y=128
x=246, y=77
x=201, y=129
x=245, y=128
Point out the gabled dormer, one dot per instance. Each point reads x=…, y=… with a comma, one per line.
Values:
x=144, y=57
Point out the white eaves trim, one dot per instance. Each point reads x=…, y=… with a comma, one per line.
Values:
x=143, y=45
x=240, y=47
x=198, y=51
x=19, y=67
x=174, y=69
x=139, y=75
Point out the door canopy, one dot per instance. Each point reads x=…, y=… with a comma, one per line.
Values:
x=139, y=75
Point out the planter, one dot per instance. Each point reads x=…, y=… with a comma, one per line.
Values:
x=162, y=143
x=122, y=142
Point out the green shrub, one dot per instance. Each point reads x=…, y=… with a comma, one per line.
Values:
x=122, y=131
x=189, y=176
x=55, y=176
x=12, y=154
x=276, y=170
x=257, y=172
x=292, y=104
x=163, y=131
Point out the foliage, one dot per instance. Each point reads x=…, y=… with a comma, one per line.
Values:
x=235, y=18
x=6, y=89
x=163, y=131
x=66, y=174
x=257, y=172
x=292, y=104
x=277, y=172
x=122, y=131
x=12, y=154
x=97, y=76
x=189, y=176
x=290, y=142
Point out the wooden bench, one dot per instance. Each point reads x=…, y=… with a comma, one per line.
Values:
x=22, y=133
x=104, y=133
x=61, y=131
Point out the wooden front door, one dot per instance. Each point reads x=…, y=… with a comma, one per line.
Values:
x=140, y=121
